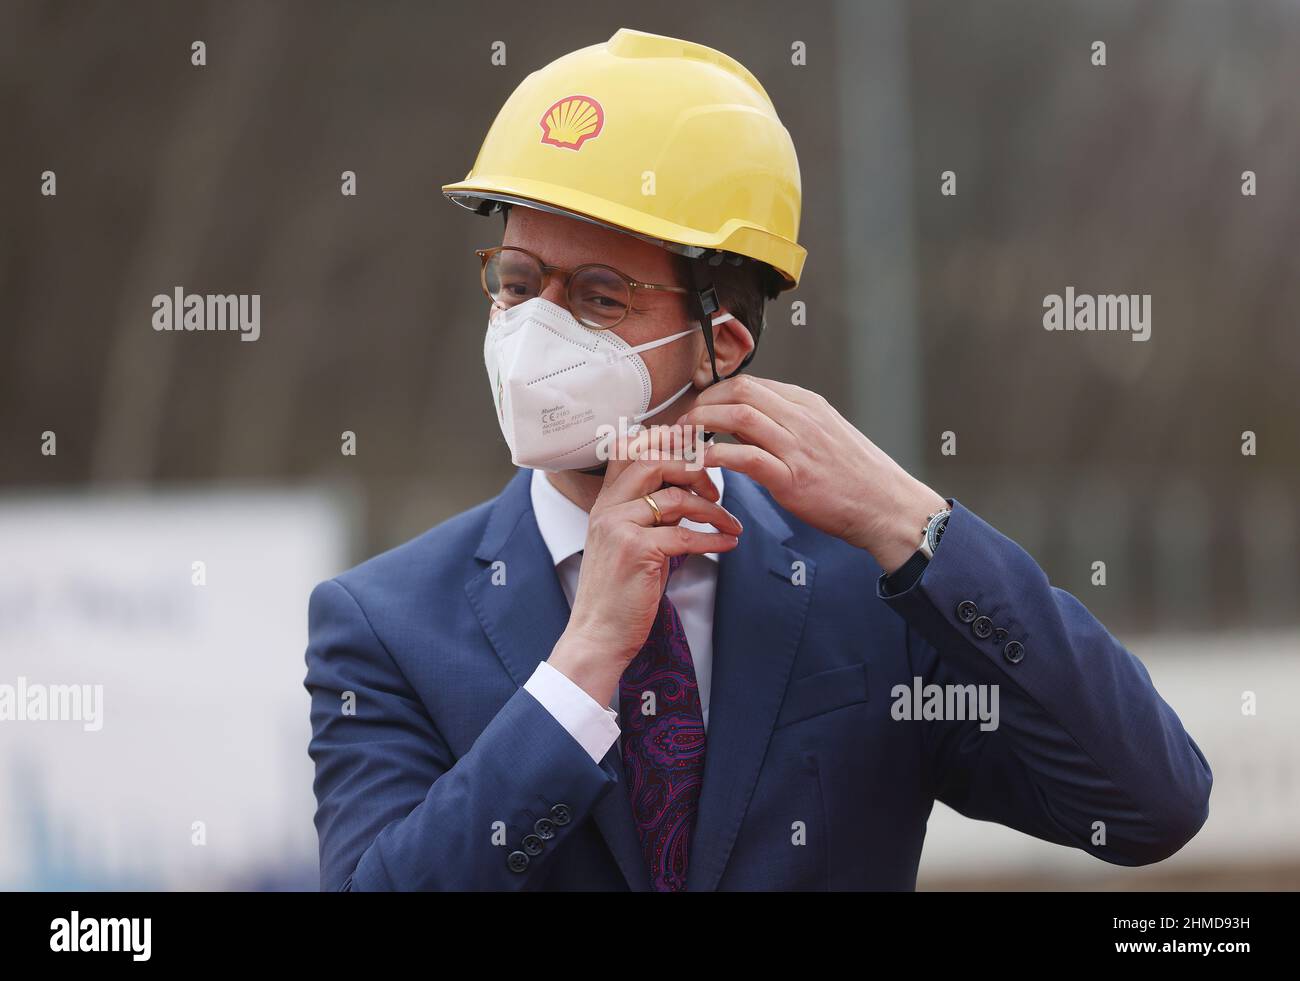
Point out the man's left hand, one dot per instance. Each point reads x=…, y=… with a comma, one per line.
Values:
x=815, y=464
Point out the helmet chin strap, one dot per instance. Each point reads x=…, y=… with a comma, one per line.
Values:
x=705, y=301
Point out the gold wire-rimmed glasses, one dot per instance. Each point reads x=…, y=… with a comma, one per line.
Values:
x=599, y=296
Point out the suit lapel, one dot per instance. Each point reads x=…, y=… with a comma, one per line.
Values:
x=523, y=618
x=517, y=594
x=758, y=620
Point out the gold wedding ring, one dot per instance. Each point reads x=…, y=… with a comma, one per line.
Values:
x=659, y=515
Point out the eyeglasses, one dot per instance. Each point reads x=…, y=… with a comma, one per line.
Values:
x=599, y=296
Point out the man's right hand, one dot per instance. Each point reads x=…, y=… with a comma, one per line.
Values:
x=625, y=562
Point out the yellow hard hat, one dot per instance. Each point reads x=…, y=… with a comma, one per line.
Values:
x=665, y=139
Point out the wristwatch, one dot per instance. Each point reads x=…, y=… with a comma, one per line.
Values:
x=904, y=577
x=934, y=528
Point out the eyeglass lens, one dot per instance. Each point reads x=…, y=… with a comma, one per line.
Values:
x=597, y=296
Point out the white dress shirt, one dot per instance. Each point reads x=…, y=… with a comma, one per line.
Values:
x=691, y=590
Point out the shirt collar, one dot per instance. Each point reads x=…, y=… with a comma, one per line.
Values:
x=564, y=525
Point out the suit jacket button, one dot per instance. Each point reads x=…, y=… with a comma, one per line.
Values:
x=999, y=634
x=1014, y=651
x=531, y=844
x=545, y=829
x=982, y=628
x=561, y=814
x=516, y=861
x=966, y=611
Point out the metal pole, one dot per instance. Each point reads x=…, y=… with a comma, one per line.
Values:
x=879, y=269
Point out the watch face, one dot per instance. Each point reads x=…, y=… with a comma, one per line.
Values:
x=935, y=532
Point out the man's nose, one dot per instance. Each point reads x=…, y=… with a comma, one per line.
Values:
x=554, y=289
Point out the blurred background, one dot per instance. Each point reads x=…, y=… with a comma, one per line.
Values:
x=923, y=316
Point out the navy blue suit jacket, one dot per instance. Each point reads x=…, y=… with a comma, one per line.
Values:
x=438, y=764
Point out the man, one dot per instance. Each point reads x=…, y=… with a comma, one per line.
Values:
x=629, y=672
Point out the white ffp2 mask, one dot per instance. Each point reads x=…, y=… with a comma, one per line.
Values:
x=556, y=383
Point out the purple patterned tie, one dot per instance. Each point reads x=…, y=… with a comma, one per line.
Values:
x=663, y=745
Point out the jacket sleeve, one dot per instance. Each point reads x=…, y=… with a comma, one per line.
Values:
x=1086, y=752
x=395, y=810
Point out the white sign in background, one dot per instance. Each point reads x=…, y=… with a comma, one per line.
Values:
x=204, y=715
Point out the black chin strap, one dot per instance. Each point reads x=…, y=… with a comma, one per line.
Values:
x=705, y=301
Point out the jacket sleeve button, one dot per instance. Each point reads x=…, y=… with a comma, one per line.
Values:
x=516, y=861
x=544, y=829
x=982, y=627
x=561, y=814
x=999, y=635
x=531, y=844
x=967, y=611
x=1014, y=651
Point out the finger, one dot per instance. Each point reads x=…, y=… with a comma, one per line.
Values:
x=676, y=503
x=661, y=443
x=751, y=391
x=753, y=461
x=646, y=475
x=745, y=421
x=792, y=393
x=687, y=541
x=615, y=465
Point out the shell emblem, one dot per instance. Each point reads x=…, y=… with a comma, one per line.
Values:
x=572, y=121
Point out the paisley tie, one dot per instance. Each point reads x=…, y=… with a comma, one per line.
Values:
x=662, y=745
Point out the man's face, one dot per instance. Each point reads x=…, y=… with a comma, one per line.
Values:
x=569, y=242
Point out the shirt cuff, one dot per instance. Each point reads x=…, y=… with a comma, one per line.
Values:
x=594, y=727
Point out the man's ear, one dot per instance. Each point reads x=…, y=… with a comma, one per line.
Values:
x=732, y=343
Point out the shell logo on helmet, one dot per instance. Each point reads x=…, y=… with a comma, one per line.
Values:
x=572, y=121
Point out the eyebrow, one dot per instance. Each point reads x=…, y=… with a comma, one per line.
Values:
x=673, y=274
